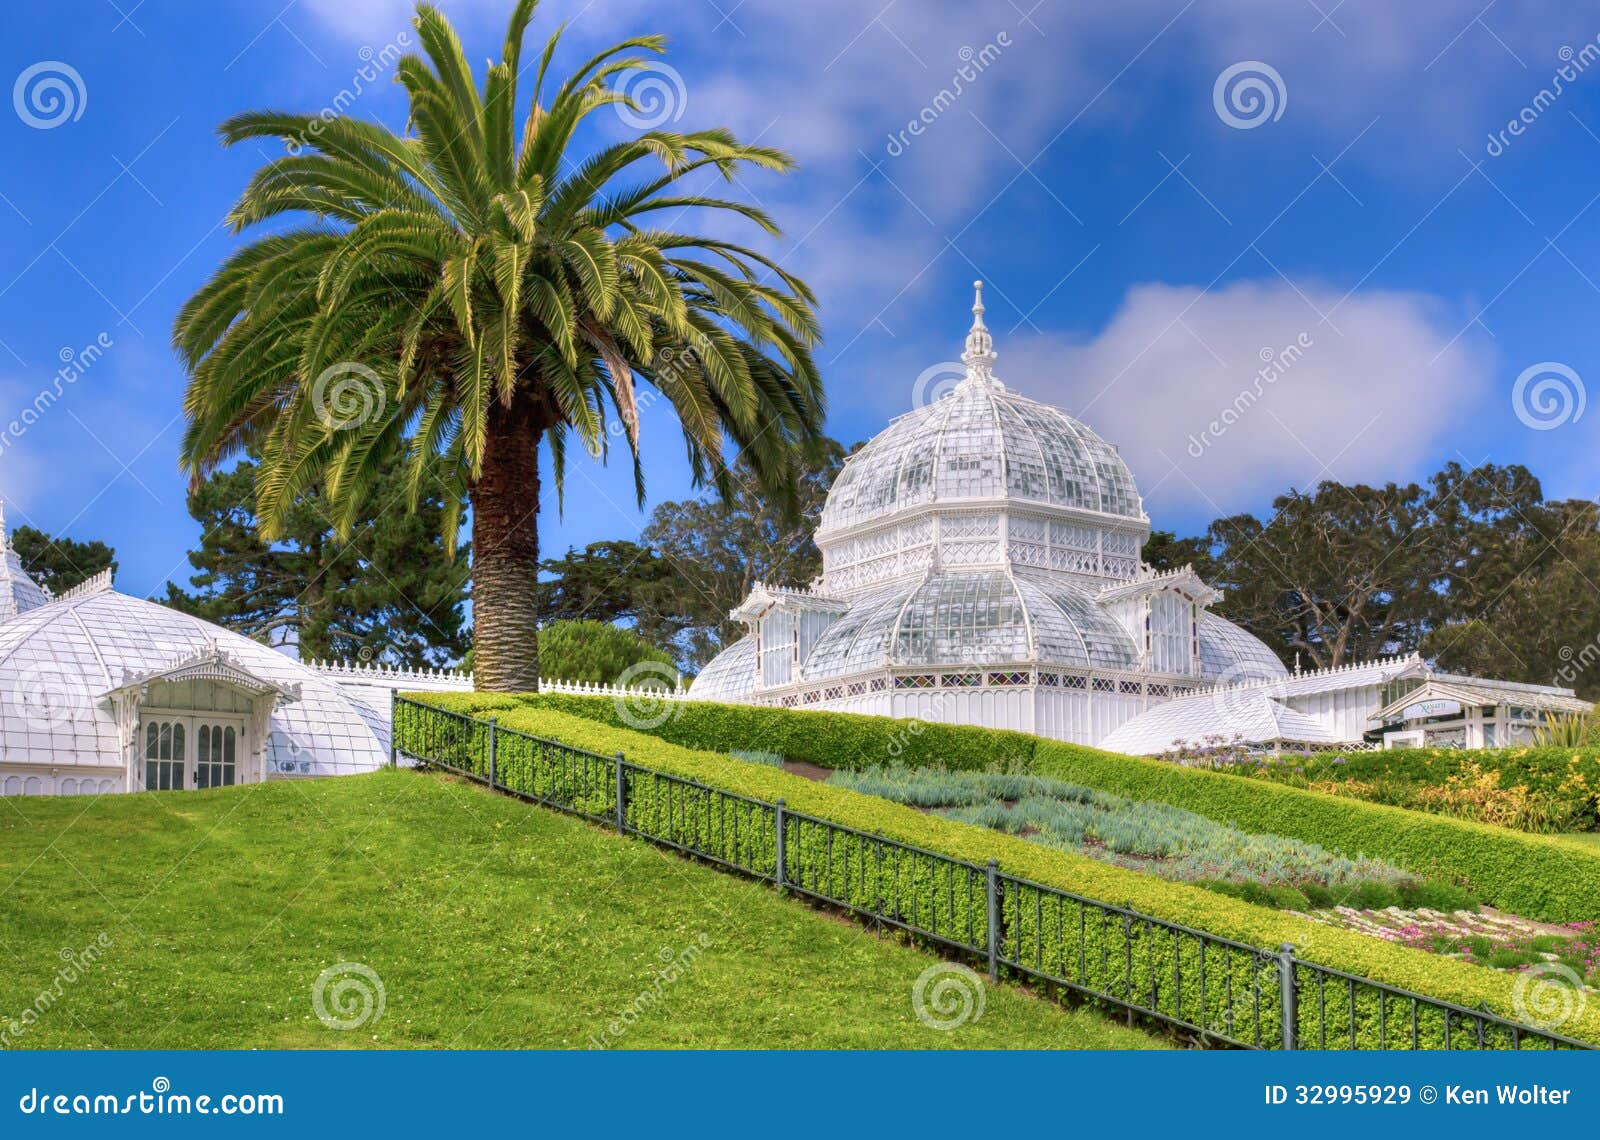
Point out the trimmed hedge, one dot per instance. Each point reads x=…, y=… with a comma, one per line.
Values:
x=1035, y=921
x=1536, y=876
x=831, y=739
x=1539, y=769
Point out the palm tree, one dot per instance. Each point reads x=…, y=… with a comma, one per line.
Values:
x=452, y=298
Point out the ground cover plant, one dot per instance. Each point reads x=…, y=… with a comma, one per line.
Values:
x=487, y=922
x=1542, y=789
x=692, y=822
x=1576, y=949
x=1170, y=842
x=1566, y=954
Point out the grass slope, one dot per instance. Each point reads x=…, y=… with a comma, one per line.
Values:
x=489, y=922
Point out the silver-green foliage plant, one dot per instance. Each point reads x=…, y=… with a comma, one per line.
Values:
x=1164, y=840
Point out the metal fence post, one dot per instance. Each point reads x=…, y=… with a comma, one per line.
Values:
x=778, y=816
x=494, y=742
x=994, y=919
x=622, y=795
x=394, y=729
x=1286, y=980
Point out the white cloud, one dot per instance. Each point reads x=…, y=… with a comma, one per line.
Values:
x=1181, y=380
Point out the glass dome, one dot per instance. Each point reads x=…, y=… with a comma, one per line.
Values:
x=981, y=442
x=960, y=618
x=1231, y=654
x=730, y=675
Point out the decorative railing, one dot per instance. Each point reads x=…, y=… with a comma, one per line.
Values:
x=1222, y=991
x=592, y=689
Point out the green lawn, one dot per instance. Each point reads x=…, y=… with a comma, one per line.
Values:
x=1592, y=838
x=488, y=922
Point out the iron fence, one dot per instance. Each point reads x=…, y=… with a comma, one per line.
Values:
x=1223, y=991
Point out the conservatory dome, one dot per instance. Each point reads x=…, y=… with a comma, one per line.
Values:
x=981, y=564
x=973, y=618
x=981, y=442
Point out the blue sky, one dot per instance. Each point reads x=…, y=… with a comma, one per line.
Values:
x=1145, y=255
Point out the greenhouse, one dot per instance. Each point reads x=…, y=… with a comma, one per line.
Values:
x=981, y=565
x=104, y=692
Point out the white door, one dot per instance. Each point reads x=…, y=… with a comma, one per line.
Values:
x=190, y=751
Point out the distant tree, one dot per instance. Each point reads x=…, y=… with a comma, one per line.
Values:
x=718, y=548
x=1492, y=526
x=1543, y=624
x=59, y=563
x=610, y=582
x=600, y=653
x=391, y=592
x=1340, y=574
x=1164, y=550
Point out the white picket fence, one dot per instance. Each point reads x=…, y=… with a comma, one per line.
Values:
x=447, y=680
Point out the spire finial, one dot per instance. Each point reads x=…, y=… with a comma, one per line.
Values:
x=980, y=354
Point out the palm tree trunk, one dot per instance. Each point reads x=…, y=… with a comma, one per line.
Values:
x=505, y=552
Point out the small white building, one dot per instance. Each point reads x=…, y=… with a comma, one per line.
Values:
x=981, y=565
x=103, y=692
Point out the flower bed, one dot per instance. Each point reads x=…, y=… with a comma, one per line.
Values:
x=1568, y=954
x=1538, y=790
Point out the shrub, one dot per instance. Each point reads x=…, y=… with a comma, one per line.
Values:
x=597, y=652
x=1536, y=789
x=832, y=740
x=1041, y=927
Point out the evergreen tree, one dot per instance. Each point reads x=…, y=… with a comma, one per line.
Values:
x=389, y=593
x=58, y=563
x=602, y=654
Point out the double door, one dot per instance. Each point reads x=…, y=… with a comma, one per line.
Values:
x=190, y=751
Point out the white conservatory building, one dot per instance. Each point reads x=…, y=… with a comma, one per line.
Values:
x=981, y=565
x=103, y=692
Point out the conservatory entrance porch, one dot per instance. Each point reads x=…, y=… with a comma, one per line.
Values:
x=202, y=722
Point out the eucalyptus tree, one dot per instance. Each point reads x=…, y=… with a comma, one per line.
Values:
x=448, y=301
